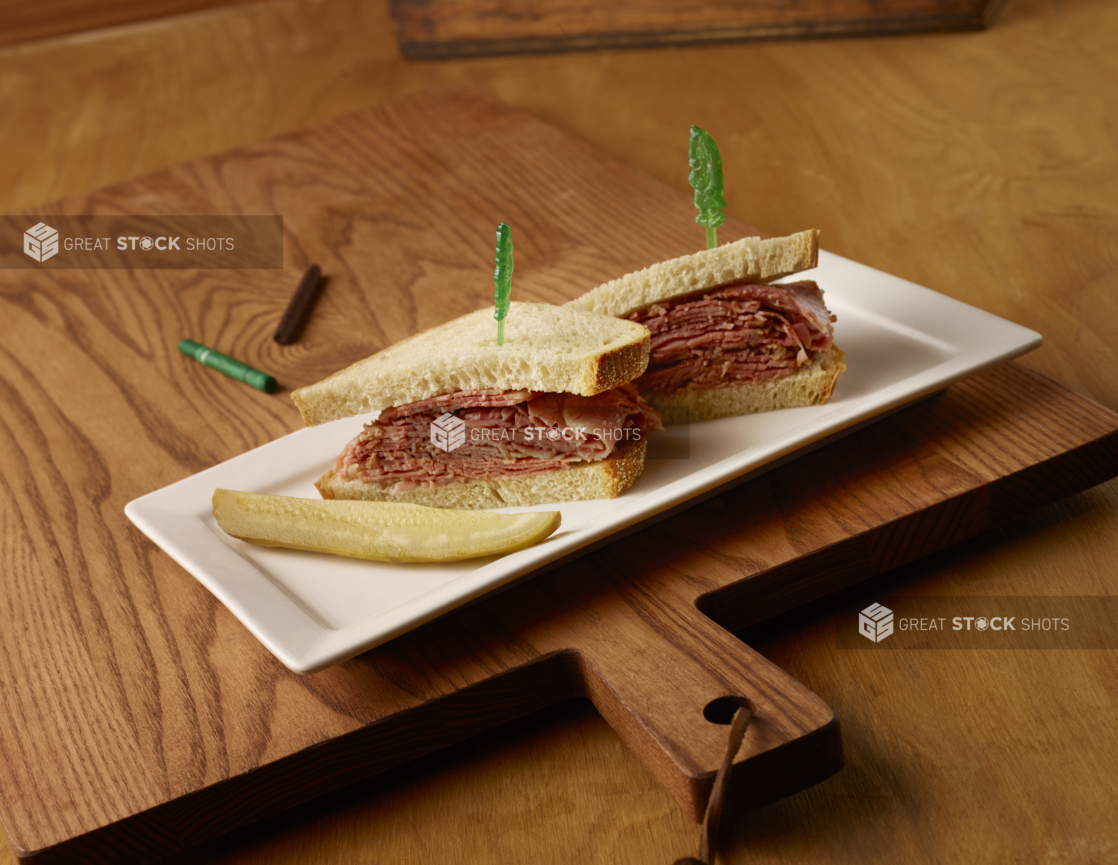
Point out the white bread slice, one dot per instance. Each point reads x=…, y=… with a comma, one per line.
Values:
x=599, y=479
x=811, y=384
x=547, y=348
x=750, y=259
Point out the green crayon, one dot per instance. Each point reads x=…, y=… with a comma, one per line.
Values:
x=232, y=368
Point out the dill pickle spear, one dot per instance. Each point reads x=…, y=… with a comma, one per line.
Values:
x=379, y=531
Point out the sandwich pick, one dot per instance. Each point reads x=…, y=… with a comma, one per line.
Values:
x=705, y=178
x=502, y=279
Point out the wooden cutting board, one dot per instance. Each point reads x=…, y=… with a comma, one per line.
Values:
x=138, y=716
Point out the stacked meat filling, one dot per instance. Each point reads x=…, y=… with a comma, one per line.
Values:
x=505, y=434
x=738, y=334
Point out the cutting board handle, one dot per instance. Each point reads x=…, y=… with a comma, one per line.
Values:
x=670, y=696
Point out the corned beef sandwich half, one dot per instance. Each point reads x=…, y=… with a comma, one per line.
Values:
x=725, y=340
x=551, y=415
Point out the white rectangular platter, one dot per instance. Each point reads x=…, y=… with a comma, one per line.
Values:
x=311, y=610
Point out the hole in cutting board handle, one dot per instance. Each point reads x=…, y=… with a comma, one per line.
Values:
x=721, y=710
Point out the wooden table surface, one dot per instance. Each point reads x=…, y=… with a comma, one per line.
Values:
x=983, y=165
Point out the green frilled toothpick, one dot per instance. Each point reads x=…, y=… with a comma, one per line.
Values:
x=706, y=179
x=502, y=279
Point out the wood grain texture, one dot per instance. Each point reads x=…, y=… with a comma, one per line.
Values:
x=26, y=22
x=172, y=738
x=429, y=29
x=979, y=164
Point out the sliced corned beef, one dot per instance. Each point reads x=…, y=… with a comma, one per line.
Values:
x=507, y=434
x=741, y=333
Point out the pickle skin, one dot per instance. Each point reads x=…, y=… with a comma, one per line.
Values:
x=377, y=531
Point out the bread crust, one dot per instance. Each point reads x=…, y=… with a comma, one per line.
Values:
x=811, y=384
x=751, y=259
x=547, y=348
x=597, y=479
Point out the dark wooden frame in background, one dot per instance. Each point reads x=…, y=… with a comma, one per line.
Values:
x=431, y=29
